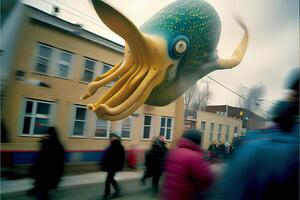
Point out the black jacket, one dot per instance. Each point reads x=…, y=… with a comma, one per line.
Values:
x=155, y=158
x=114, y=157
x=49, y=165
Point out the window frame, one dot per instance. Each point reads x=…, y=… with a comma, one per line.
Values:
x=171, y=128
x=54, y=61
x=33, y=116
x=227, y=133
x=220, y=127
x=37, y=56
x=130, y=128
x=85, y=69
x=150, y=126
x=211, y=131
x=58, y=61
x=110, y=84
x=108, y=130
x=202, y=128
x=75, y=106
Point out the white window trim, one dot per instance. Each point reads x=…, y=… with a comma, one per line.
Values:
x=95, y=72
x=151, y=128
x=172, y=127
x=237, y=130
x=74, y=106
x=54, y=61
x=227, y=132
x=130, y=130
x=211, y=131
x=36, y=56
x=111, y=83
x=202, y=130
x=108, y=131
x=58, y=62
x=34, y=107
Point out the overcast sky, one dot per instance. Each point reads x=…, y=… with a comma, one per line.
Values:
x=273, y=47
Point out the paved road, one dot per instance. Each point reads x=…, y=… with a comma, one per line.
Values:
x=87, y=187
x=131, y=190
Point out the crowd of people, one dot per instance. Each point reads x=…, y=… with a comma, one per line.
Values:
x=266, y=167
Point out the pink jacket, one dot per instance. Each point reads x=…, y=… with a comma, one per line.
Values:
x=187, y=173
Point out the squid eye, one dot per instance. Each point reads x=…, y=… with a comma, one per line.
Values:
x=180, y=47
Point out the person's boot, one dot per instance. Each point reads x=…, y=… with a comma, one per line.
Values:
x=105, y=197
x=154, y=191
x=143, y=181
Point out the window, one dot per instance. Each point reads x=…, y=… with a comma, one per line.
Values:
x=202, y=128
x=79, y=120
x=166, y=124
x=53, y=61
x=37, y=117
x=220, y=133
x=103, y=128
x=126, y=127
x=211, y=132
x=147, y=127
x=64, y=64
x=227, y=134
x=89, y=68
x=43, y=59
x=106, y=68
x=236, y=131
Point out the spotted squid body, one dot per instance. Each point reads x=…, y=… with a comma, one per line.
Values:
x=165, y=57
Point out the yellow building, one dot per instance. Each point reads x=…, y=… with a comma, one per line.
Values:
x=47, y=65
x=217, y=128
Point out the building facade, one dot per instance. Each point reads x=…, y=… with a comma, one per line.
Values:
x=46, y=71
x=216, y=128
x=251, y=121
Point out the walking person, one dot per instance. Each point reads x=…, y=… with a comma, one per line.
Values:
x=112, y=162
x=187, y=173
x=267, y=166
x=48, y=167
x=154, y=162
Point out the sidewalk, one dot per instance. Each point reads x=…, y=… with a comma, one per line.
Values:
x=21, y=185
x=11, y=186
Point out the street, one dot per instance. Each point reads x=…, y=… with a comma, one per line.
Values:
x=131, y=190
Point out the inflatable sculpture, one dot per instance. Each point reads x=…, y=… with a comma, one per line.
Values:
x=165, y=57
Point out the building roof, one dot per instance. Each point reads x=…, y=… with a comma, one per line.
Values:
x=39, y=16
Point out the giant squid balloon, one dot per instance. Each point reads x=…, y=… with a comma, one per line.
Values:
x=163, y=58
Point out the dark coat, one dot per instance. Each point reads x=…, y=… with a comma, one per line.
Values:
x=264, y=168
x=114, y=157
x=154, y=158
x=187, y=173
x=49, y=165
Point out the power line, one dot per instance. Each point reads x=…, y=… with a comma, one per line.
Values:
x=78, y=11
x=85, y=19
x=93, y=21
x=265, y=112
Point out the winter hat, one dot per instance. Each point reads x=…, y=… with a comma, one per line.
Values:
x=193, y=135
x=114, y=134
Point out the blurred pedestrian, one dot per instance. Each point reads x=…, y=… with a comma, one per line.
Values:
x=48, y=167
x=187, y=173
x=212, y=149
x=154, y=162
x=268, y=167
x=112, y=162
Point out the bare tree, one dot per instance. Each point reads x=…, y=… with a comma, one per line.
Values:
x=242, y=90
x=251, y=97
x=188, y=96
x=202, y=97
